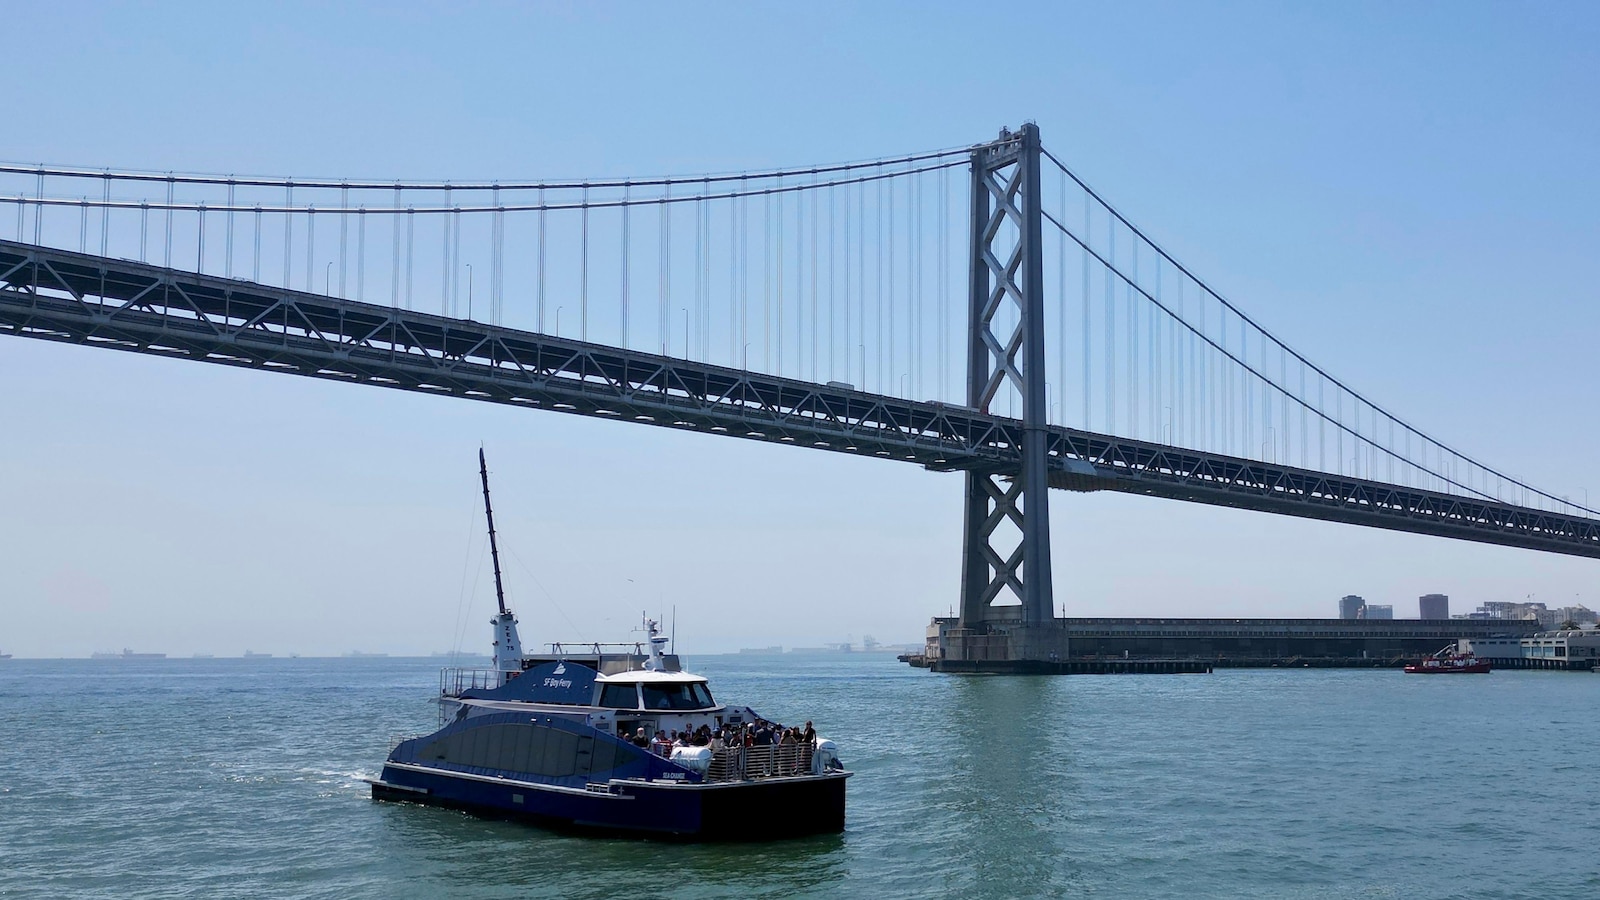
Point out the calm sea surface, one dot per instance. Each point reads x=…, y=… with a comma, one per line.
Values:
x=242, y=778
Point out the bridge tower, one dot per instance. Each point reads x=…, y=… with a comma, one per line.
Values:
x=1006, y=557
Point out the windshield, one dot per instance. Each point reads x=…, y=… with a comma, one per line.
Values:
x=619, y=696
x=689, y=695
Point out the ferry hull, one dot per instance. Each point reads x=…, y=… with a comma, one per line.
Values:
x=738, y=811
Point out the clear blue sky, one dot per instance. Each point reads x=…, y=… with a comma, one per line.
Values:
x=1406, y=193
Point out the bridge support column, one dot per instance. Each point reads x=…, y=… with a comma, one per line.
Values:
x=1006, y=559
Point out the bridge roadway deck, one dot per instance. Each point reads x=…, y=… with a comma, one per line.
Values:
x=87, y=299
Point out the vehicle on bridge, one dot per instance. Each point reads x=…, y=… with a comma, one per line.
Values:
x=565, y=740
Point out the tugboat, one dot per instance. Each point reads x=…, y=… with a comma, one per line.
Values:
x=1448, y=662
x=583, y=738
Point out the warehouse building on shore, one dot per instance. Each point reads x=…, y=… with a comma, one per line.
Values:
x=1249, y=643
x=1570, y=648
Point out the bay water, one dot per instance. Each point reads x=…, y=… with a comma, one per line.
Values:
x=243, y=778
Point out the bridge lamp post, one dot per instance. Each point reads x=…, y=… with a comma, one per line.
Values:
x=327, y=279
x=905, y=391
x=558, y=321
x=745, y=358
x=685, y=331
x=469, y=295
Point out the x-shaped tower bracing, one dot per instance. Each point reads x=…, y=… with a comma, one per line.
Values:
x=1006, y=350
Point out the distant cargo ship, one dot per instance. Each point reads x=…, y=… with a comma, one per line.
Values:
x=251, y=654
x=126, y=654
x=5, y=656
x=204, y=656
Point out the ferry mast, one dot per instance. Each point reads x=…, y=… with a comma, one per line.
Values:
x=507, y=643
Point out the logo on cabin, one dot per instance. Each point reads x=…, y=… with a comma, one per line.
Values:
x=560, y=669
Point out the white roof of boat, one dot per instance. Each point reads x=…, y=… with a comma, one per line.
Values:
x=647, y=677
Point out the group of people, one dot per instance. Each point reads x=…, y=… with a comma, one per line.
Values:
x=759, y=733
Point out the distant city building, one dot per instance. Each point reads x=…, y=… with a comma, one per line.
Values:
x=1350, y=606
x=1522, y=612
x=1433, y=606
x=1578, y=615
x=1376, y=611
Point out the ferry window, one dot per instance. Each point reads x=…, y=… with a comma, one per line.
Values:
x=702, y=696
x=692, y=695
x=619, y=696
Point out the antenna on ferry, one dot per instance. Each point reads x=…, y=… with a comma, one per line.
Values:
x=494, y=548
x=507, y=643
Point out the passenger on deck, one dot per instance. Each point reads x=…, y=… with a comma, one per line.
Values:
x=809, y=736
x=640, y=739
x=661, y=746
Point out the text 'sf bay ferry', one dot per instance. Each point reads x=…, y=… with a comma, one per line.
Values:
x=583, y=740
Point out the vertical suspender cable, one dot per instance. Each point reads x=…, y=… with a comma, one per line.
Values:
x=227, y=263
x=411, y=233
x=38, y=211
x=539, y=298
x=777, y=281
x=833, y=249
x=499, y=259
x=583, y=278
x=662, y=330
x=889, y=268
x=344, y=233
x=455, y=260
x=767, y=281
x=1111, y=327
x=627, y=220
x=1134, y=425
x=447, y=299
x=878, y=303
x=813, y=193
x=394, y=275
x=1087, y=234
x=361, y=252
x=168, y=256
x=850, y=343
x=944, y=284
x=311, y=244
x=255, y=265
x=861, y=277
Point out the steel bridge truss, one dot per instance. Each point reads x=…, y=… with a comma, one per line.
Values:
x=80, y=298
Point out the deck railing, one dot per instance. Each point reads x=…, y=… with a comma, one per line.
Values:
x=766, y=761
x=455, y=679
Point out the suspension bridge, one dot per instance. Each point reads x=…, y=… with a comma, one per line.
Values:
x=976, y=309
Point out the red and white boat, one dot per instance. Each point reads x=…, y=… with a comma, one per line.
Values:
x=1448, y=662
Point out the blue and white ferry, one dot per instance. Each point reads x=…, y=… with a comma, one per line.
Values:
x=555, y=739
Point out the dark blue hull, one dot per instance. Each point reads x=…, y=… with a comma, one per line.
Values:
x=746, y=810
